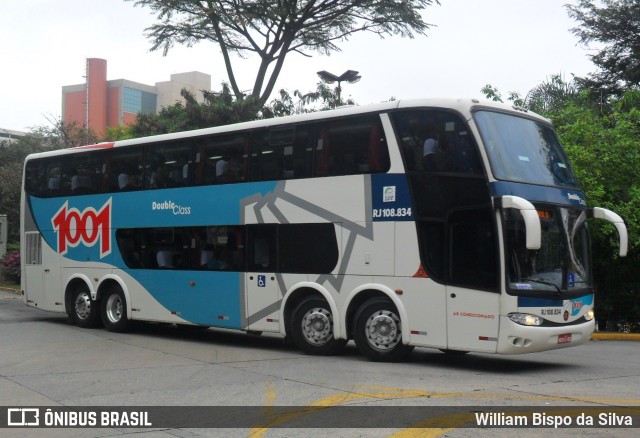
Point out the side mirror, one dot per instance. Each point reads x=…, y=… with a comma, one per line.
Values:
x=530, y=216
x=616, y=220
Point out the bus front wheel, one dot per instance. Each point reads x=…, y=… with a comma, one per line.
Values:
x=312, y=328
x=114, y=310
x=83, y=311
x=378, y=331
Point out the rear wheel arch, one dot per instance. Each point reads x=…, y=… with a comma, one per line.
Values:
x=379, y=331
x=297, y=295
x=110, y=281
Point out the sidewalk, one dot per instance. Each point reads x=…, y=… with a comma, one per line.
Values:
x=7, y=292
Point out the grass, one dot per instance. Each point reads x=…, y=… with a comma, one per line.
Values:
x=4, y=284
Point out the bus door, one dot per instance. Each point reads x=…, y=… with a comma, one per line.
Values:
x=262, y=291
x=472, y=295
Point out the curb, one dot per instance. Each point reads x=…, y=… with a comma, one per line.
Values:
x=600, y=336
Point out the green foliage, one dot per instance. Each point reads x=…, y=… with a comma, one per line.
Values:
x=119, y=133
x=216, y=109
x=614, y=25
x=272, y=30
x=12, y=155
x=551, y=96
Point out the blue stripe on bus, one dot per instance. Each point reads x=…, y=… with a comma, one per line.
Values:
x=549, y=195
x=391, y=199
x=538, y=302
x=546, y=302
x=192, y=206
x=207, y=298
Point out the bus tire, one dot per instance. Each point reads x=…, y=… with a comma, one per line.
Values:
x=114, y=310
x=312, y=328
x=83, y=311
x=378, y=331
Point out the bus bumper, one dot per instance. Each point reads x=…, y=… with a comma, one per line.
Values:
x=518, y=339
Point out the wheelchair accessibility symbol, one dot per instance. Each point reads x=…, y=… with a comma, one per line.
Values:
x=262, y=280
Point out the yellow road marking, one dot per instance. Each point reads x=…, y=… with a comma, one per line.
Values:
x=426, y=428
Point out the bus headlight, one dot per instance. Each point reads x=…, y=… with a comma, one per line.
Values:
x=589, y=315
x=525, y=319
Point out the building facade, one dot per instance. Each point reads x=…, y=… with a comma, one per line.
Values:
x=99, y=104
x=8, y=134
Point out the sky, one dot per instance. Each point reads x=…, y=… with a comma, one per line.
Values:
x=513, y=45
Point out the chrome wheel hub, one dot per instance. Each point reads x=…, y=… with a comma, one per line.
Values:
x=383, y=330
x=317, y=326
x=114, y=309
x=82, y=305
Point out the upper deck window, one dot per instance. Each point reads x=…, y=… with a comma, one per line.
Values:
x=437, y=141
x=523, y=150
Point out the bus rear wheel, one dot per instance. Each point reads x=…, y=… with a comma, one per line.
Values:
x=83, y=311
x=378, y=331
x=114, y=310
x=312, y=328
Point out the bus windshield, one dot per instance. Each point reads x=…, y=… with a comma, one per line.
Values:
x=562, y=264
x=523, y=150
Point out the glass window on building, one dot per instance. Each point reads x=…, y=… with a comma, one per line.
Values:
x=132, y=100
x=138, y=101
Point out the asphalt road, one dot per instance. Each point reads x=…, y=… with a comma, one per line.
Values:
x=44, y=361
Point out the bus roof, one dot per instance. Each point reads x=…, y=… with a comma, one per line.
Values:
x=462, y=105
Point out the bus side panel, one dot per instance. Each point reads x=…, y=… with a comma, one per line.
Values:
x=423, y=298
x=198, y=297
x=42, y=286
x=472, y=319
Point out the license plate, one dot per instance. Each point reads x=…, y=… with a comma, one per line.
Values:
x=564, y=339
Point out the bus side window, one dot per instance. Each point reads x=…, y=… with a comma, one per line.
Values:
x=262, y=248
x=298, y=157
x=351, y=146
x=222, y=159
x=168, y=165
x=129, y=244
x=53, y=172
x=125, y=170
x=436, y=141
x=307, y=248
x=216, y=248
x=37, y=178
x=282, y=153
x=266, y=160
x=86, y=173
x=474, y=253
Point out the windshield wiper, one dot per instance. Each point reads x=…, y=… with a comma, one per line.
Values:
x=546, y=283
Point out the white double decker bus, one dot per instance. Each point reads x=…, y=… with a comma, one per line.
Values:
x=451, y=224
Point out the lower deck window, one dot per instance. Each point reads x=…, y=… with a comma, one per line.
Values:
x=285, y=248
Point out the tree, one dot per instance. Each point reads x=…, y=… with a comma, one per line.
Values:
x=216, y=109
x=605, y=153
x=272, y=30
x=12, y=155
x=546, y=98
x=615, y=27
x=552, y=96
x=223, y=108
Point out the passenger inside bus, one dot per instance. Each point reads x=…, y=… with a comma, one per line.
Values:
x=165, y=259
